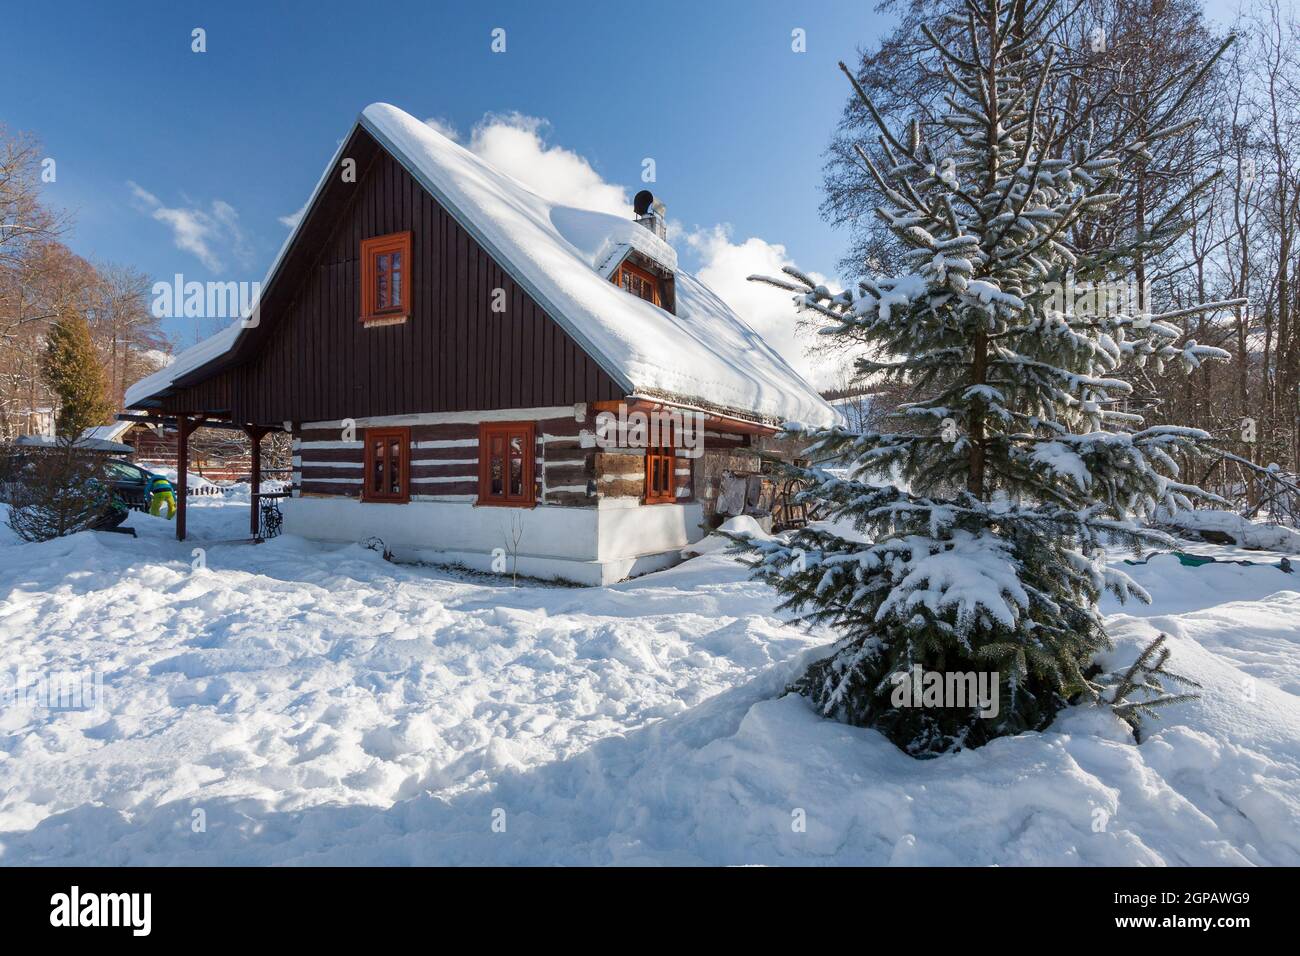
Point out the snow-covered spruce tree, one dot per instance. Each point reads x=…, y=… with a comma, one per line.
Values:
x=1020, y=465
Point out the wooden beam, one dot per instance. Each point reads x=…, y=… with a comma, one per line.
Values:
x=171, y=421
x=182, y=472
x=255, y=435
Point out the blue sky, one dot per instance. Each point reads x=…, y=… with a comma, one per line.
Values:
x=735, y=121
x=176, y=161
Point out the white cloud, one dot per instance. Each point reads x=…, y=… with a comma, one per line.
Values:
x=516, y=144
x=443, y=126
x=198, y=231
x=291, y=221
x=143, y=195
x=725, y=268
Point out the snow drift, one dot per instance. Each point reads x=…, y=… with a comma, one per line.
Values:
x=320, y=705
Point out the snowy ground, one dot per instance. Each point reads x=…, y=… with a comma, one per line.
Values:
x=314, y=704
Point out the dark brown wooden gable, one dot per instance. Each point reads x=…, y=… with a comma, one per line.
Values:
x=310, y=359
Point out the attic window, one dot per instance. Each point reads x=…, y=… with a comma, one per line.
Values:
x=386, y=279
x=637, y=281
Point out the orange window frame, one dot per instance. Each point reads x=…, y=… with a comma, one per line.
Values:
x=371, y=250
x=643, y=275
x=661, y=474
x=494, y=443
x=388, y=451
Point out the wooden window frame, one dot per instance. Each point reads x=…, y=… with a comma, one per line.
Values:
x=387, y=434
x=655, y=282
x=486, y=431
x=667, y=455
x=371, y=248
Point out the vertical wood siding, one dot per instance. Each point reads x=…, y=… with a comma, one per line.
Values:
x=312, y=360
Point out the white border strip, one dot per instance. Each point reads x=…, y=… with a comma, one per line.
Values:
x=452, y=418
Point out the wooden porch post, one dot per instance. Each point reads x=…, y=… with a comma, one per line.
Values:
x=255, y=434
x=183, y=429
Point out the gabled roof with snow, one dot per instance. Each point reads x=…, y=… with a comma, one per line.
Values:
x=704, y=356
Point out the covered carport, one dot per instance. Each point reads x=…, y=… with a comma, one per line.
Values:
x=185, y=425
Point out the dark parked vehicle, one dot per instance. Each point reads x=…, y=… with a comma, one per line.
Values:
x=128, y=483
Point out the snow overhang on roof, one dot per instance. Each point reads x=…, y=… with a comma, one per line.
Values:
x=562, y=256
x=111, y=432
x=84, y=443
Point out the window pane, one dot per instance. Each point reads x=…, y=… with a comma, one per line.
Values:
x=377, y=474
x=394, y=469
x=637, y=284
x=516, y=466
x=516, y=477
x=496, y=467
x=395, y=290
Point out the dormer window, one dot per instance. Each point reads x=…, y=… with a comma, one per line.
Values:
x=638, y=282
x=386, y=279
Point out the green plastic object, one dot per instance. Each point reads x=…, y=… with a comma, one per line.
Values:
x=1196, y=560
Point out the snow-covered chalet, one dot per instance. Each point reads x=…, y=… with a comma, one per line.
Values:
x=442, y=343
